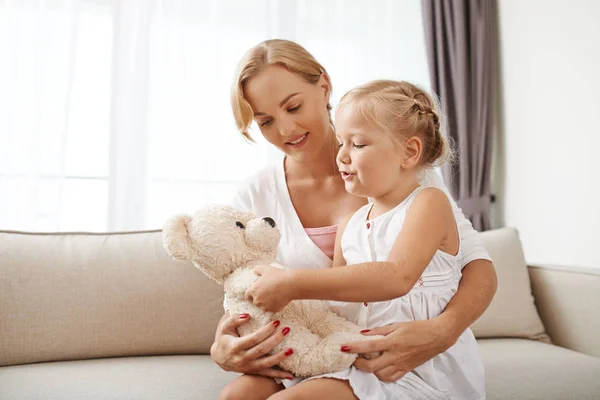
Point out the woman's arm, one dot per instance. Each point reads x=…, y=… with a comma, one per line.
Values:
x=475, y=293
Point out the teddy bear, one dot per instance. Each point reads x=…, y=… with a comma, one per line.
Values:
x=225, y=244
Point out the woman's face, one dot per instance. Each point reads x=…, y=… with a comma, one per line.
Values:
x=291, y=112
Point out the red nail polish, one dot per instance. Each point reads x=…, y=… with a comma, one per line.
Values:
x=276, y=323
x=285, y=331
x=289, y=352
x=244, y=315
x=345, y=349
x=365, y=331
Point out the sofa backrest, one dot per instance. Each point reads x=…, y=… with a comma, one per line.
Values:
x=70, y=296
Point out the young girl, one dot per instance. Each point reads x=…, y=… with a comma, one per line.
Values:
x=402, y=251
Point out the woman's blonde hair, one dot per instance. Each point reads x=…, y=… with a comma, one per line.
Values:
x=284, y=53
x=403, y=110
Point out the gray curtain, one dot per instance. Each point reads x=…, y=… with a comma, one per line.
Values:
x=461, y=50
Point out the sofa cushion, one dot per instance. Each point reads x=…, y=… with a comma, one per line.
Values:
x=515, y=369
x=78, y=296
x=512, y=312
x=527, y=370
x=133, y=378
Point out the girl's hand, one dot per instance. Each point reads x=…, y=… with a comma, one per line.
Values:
x=406, y=345
x=271, y=292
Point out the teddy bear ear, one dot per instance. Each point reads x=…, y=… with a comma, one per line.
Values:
x=176, y=239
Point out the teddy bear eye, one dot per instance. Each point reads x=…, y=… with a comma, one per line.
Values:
x=240, y=225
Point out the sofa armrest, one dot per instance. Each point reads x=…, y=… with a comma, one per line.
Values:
x=567, y=299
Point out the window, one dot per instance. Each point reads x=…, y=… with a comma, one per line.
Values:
x=115, y=115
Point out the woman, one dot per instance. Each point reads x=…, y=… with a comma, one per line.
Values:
x=286, y=91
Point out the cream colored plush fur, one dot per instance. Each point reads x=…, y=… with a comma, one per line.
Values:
x=226, y=244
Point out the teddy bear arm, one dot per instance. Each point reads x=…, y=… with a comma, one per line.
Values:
x=240, y=280
x=324, y=322
x=335, y=329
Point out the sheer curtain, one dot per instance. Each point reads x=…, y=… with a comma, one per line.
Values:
x=115, y=114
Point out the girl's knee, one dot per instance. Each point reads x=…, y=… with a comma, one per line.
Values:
x=280, y=396
x=249, y=387
x=290, y=395
x=233, y=391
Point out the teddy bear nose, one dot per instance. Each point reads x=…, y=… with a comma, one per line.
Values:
x=269, y=221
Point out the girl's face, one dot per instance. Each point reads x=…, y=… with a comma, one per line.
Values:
x=369, y=160
x=291, y=113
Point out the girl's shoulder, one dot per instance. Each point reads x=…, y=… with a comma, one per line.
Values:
x=431, y=196
x=429, y=200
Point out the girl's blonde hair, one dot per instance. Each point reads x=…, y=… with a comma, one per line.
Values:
x=284, y=53
x=403, y=110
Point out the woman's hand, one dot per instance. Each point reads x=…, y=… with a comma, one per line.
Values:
x=248, y=354
x=272, y=291
x=406, y=345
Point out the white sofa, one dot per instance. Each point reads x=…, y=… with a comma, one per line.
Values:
x=111, y=316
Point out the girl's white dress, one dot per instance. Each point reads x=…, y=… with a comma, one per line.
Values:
x=455, y=374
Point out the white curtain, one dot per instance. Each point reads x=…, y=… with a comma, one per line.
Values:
x=115, y=114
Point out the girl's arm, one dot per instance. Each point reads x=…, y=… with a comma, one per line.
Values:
x=338, y=257
x=428, y=227
x=471, y=246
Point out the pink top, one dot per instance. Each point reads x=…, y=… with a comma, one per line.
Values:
x=324, y=238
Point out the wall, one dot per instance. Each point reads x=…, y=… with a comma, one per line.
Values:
x=547, y=178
